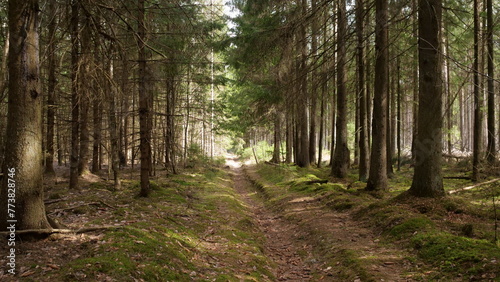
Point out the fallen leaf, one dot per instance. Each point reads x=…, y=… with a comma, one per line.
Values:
x=53, y=266
x=28, y=273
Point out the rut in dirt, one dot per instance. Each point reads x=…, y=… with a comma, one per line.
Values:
x=282, y=244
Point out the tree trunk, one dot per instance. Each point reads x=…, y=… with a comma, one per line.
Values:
x=398, y=118
x=144, y=104
x=51, y=89
x=277, y=138
x=124, y=144
x=491, y=150
x=415, y=81
x=289, y=134
x=377, y=180
x=85, y=85
x=333, y=119
x=23, y=157
x=170, y=125
x=314, y=84
x=324, y=91
x=96, y=146
x=113, y=127
x=361, y=89
x=478, y=119
x=303, y=159
x=391, y=126
x=449, y=98
x=75, y=97
x=427, y=179
x=340, y=164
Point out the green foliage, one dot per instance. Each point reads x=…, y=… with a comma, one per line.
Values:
x=197, y=158
x=263, y=150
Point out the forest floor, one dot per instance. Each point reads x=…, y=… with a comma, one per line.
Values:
x=259, y=223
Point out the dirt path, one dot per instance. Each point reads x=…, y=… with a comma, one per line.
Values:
x=281, y=237
x=310, y=243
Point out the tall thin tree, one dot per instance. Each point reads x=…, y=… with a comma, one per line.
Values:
x=491, y=150
x=303, y=125
x=377, y=180
x=478, y=119
x=144, y=103
x=361, y=89
x=75, y=101
x=51, y=88
x=341, y=159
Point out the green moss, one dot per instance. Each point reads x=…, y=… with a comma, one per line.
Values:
x=181, y=182
x=456, y=253
x=410, y=226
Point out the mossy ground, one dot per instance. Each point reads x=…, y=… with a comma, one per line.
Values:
x=192, y=227
x=451, y=238
x=196, y=227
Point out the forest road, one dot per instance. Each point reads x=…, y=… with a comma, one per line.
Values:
x=310, y=243
x=282, y=244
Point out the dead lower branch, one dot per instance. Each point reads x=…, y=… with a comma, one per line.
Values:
x=474, y=186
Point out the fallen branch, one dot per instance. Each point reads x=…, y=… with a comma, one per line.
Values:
x=48, y=202
x=458, y=177
x=49, y=231
x=453, y=156
x=473, y=186
x=82, y=205
x=321, y=181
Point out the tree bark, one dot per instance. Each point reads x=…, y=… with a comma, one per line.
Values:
x=391, y=127
x=113, y=126
x=96, y=144
x=51, y=89
x=491, y=149
x=449, y=98
x=289, y=134
x=340, y=164
x=303, y=159
x=398, y=118
x=377, y=180
x=144, y=104
x=85, y=92
x=124, y=144
x=75, y=97
x=170, y=125
x=23, y=157
x=277, y=138
x=361, y=89
x=314, y=84
x=428, y=179
x=415, y=76
x=478, y=119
